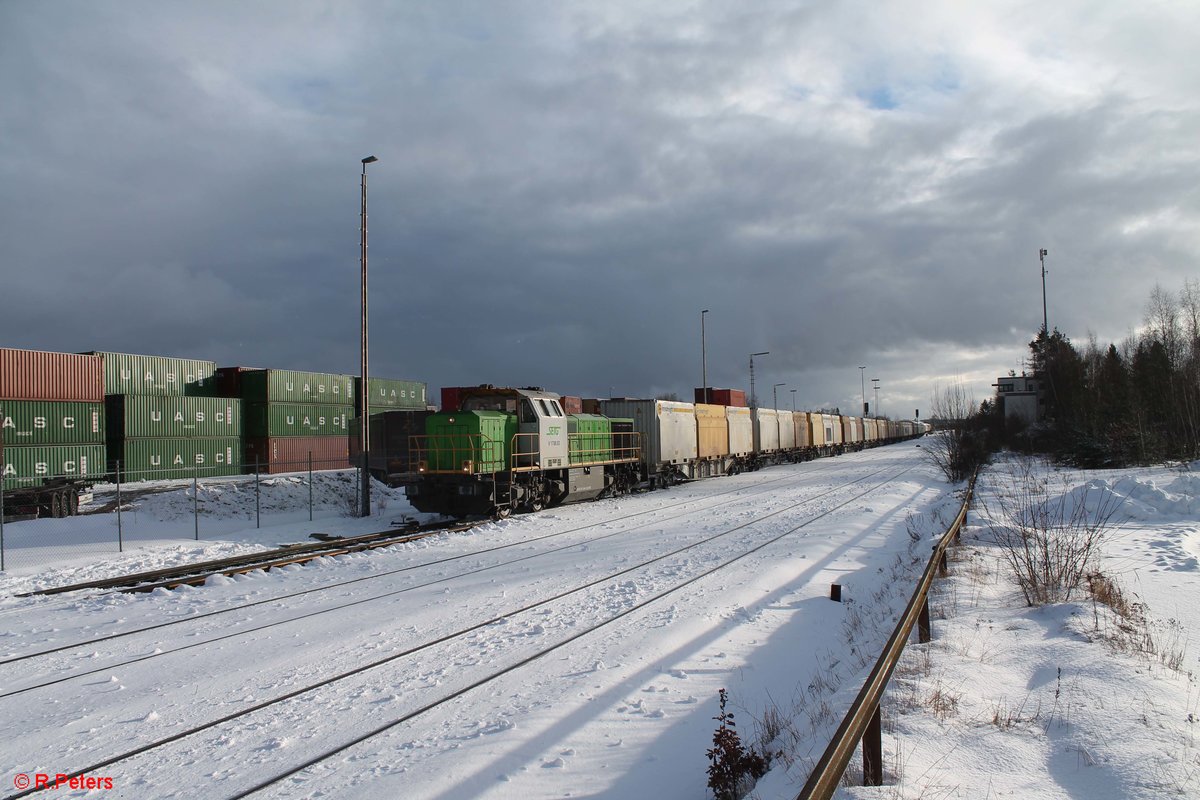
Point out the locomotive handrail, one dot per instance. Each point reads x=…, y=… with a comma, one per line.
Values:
x=863, y=718
x=466, y=450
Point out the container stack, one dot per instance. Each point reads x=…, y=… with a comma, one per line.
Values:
x=164, y=421
x=51, y=417
x=292, y=417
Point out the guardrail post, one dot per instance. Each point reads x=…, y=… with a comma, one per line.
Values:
x=872, y=748
x=924, y=630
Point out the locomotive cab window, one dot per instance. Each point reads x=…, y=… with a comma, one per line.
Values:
x=555, y=408
x=528, y=414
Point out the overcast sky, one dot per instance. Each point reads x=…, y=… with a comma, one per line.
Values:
x=563, y=187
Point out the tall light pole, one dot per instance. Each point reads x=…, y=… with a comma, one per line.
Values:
x=793, y=391
x=876, y=382
x=703, y=358
x=862, y=371
x=364, y=393
x=775, y=394
x=753, y=396
x=1042, y=253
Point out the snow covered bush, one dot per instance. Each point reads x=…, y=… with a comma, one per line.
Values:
x=1050, y=539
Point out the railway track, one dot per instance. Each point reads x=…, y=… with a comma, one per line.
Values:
x=288, y=555
x=460, y=633
x=760, y=488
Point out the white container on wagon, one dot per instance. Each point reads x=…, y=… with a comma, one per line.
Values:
x=787, y=431
x=816, y=428
x=668, y=428
x=741, y=430
x=833, y=429
x=766, y=429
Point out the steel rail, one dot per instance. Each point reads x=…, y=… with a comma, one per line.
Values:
x=863, y=718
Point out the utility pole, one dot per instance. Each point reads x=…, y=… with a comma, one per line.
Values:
x=862, y=371
x=793, y=391
x=703, y=358
x=775, y=395
x=753, y=396
x=1042, y=253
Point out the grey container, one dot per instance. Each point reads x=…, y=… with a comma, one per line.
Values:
x=148, y=417
x=42, y=422
x=668, y=428
x=125, y=373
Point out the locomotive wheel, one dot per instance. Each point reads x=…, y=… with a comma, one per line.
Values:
x=537, y=504
x=502, y=512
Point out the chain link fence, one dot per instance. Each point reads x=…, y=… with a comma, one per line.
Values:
x=61, y=518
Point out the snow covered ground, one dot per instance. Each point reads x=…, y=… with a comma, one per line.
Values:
x=579, y=651
x=1067, y=700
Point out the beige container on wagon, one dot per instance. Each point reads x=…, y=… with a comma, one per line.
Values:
x=800, y=425
x=851, y=430
x=833, y=428
x=712, y=431
x=816, y=429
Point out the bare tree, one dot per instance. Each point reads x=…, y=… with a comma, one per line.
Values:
x=959, y=445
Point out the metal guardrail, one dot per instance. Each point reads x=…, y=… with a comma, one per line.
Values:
x=863, y=721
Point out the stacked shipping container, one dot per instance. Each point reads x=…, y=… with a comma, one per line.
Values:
x=51, y=417
x=293, y=419
x=165, y=423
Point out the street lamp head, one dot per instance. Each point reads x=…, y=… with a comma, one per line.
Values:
x=763, y=353
x=370, y=160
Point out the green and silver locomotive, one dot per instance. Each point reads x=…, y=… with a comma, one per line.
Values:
x=505, y=450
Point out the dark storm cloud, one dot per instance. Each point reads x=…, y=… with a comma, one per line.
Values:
x=562, y=188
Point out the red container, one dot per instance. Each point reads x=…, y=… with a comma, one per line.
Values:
x=591, y=406
x=722, y=397
x=572, y=405
x=38, y=375
x=453, y=395
x=291, y=453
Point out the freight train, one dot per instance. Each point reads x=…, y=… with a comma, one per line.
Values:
x=504, y=450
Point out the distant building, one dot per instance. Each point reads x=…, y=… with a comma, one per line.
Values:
x=1021, y=398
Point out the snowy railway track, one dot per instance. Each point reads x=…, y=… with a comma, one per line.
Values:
x=741, y=494
x=747, y=550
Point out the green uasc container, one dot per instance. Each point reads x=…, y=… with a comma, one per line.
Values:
x=589, y=438
x=30, y=466
x=483, y=438
x=387, y=394
x=175, y=459
x=289, y=386
x=40, y=422
x=297, y=419
x=149, y=416
x=125, y=373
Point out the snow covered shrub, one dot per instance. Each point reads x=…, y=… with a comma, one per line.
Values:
x=1051, y=540
x=962, y=444
x=732, y=769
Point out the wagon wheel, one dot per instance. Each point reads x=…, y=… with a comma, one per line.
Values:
x=56, y=509
x=73, y=501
